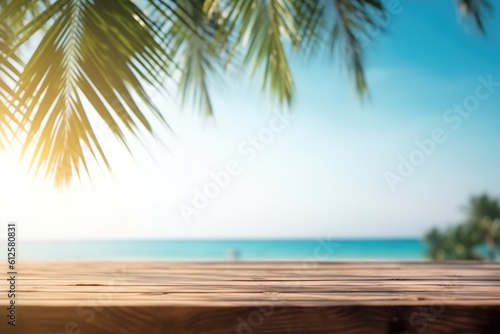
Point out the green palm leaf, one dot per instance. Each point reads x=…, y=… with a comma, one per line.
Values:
x=263, y=33
x=352, y=18
x=193, y=47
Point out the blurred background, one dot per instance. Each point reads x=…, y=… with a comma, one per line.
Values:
x=407, y=172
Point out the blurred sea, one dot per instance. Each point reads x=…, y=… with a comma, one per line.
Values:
x=223, y=250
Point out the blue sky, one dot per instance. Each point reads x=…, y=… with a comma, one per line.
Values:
x=323, y=173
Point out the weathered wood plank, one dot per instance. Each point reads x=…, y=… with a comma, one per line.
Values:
x=264, y=320
x=278, y=297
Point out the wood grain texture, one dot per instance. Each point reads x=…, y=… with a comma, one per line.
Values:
x=255, y=297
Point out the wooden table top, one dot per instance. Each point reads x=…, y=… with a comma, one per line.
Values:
x=187, y=292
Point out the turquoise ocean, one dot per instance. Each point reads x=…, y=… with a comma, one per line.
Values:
x=223, y=250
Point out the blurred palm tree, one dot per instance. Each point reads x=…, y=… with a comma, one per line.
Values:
x=107, y=53
x=483, y=214
x=480, y=207
x=491, y=229
x=461, y=242
x=454, y=243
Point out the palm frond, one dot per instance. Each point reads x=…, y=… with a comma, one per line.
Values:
x=265, y=32
x=9, y=75
x=476, y=9
x=193, y=47
x=95, y=52
x=352, y=19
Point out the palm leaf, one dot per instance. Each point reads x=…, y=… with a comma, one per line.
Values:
x=101, y=52
x=265, y=32
x=353, y=17
x=9, y=74
x=193, y=47
x=476, y=9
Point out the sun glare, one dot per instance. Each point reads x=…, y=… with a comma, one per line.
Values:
x=13, y=180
